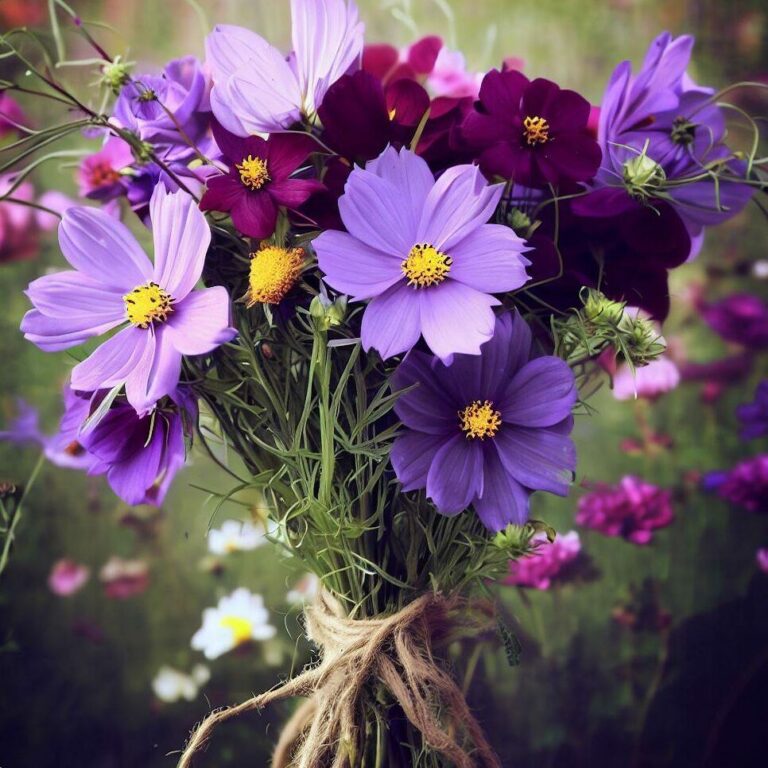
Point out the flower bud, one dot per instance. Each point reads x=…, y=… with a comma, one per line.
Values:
x=326, y=313
x=115, y=74
x=642, y=176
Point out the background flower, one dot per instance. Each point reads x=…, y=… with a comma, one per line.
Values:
x=236, y=536
x=754, y=416
x=67, y=577
x=546, y=563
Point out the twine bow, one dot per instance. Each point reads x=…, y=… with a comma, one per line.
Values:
x=395, y=650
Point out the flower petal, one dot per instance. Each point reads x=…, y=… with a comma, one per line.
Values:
x=64, y=293
x=56, y=333
x=504, y=500
x=455, y=478
x=200, y=323
x=157, y=373
x=294, y=192
x=391, y=321
x=112, y=362
x=255, y=214
x=412, y=455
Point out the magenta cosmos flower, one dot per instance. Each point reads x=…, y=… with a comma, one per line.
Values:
x=99, y=176
x=422, y=251
x=546, y=563
x=489, y=429
x=256, y=89
x=259, y=180
x=114, y=283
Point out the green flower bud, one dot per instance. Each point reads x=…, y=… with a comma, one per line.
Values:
x=599, y=308
x=115, y=74
x=326, y=313
x=642, y=176
x=519, y=221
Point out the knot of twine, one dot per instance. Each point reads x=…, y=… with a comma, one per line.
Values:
x=394, y=650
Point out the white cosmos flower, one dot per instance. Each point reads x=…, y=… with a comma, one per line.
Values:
x=236, y=536
x=237, y=619
x=171, y=685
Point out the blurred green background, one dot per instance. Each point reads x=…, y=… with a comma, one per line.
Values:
x=76, y=673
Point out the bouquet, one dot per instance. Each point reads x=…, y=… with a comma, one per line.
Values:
x=387, y=284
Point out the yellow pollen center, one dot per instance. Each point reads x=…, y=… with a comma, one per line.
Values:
x=426, y=266
x=536, y=130
x=274, y=271
x=146, y=304
x=253, y=172
x=479, y=420
x=241, y=628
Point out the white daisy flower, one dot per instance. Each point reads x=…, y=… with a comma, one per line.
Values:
x=237, y=619
x=171, y=685
x=304, y=590
x=236, y=536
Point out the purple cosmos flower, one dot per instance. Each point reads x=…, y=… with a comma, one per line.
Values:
x=99, y=175
x=754, y=416
x=170, y=111
x=487, y=430
x=546, y=563
x=259, y=90
x=741, y=318
x=647, y=382
x=114, y=282
x=746, y=485
x=659, y=126
x=422, y=251
x=259, y=179
x=632, y=509
x=532, y=132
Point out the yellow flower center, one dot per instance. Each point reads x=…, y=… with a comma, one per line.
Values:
x=480, y=420
x=274, y=271
x=253, y=172
x=241, y=628
x=146, y=304
x=426, y=266
x=536, y=130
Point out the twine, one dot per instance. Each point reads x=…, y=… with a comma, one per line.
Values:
x=395, y=650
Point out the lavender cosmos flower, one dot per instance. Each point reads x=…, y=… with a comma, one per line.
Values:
x=546, y=563
x=754, y=416
x=487, y=430
x=259, y=180
x=422, y=252
x=114, y=282
x=99, y=175
x=532, y=132
x=647, y=382
x=746, y=485
x=632, y=509
x=741, y=318
x=256, y=89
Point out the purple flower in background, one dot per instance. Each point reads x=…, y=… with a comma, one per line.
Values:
x=741, y=318
x=99, y=176
x=11, y=116
x=170, y=111
x=532, y=132
x=762, y=559
x=114, y=282
x=632, y=509
x=256, y=89
x=647, y=382
x=422, y=251
x=489, y=429
x=746, y=485
x=259, y=180
x=754, y=416
x=546, y=563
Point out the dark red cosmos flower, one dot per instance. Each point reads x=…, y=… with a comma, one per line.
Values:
x=259, y=181
x=531, y=131
x=384, y=61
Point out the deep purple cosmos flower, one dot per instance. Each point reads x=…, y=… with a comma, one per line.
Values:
x=259, y=180
x=741, y=318
x=657, y=129
x=256, y=89
x=754, y=416
x=546, y=563
x=532, y=132
x=633, y=509
x=99, y=176
x=114, y=282
x=746, y=485
x=422, y=252
x=489, y=429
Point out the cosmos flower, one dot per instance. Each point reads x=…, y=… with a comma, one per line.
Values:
x=99, y=175
x=531, y=131
x=422, y=252
x=741, y=318
x=19, y=235
x=11, y=116
x=546, y=563
x=487, y=430
x=746, y=485
x=259, y=181
x=170, y=685
x=256, y=89
x=237, y=619
x=632, y=509
x=123, y=579
x=236, y=536
x=762, y=559
x=647, y=382
x=754, y=416
x=114, y=282
x=67, y=577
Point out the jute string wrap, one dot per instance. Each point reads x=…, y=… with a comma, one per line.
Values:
x=397, y=652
